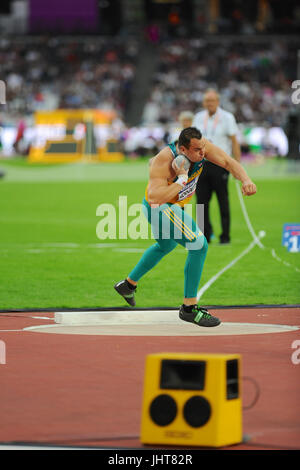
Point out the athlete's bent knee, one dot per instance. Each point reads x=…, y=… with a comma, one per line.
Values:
x=200, y=244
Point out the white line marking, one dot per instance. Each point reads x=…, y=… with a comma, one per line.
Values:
x=251, y=230
x=105, y=245
x=158, y=327
x=38, y=326
x=10, y=330
x=66, y=245
x=43, y=318
x=37, y=248
x=245, y=213
x=216, y=276
x=275, y=256
x=129, y=250
x=256, y=241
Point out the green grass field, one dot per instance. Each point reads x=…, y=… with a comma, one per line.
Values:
x=51, y=256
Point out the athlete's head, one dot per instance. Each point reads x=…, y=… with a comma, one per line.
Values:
x=191, y=144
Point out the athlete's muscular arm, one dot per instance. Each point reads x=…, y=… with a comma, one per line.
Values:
x=216, y=155
x=161, y=171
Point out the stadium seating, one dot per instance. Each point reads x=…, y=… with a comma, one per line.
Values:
x=253, y=78
x=44, y=73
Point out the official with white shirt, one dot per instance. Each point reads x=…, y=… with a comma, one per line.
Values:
x=218, y=126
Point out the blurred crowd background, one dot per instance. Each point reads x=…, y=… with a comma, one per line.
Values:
x=149, y=60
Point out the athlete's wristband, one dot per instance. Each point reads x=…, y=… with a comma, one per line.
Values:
x=182, y=180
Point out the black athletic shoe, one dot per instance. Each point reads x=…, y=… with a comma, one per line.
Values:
x=126, y=292
x=198, y=315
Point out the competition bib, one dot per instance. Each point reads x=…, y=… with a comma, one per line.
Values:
x=188, y=189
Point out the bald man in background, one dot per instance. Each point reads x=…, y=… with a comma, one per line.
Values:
x=218, y=126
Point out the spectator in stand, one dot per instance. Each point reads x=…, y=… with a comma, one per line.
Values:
x=185, y=119
x=50, y=73
x=253, y=79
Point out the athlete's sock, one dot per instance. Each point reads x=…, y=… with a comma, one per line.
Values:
x=150, y=258
x=189, y=308
x=129, y=285
x=193, y=268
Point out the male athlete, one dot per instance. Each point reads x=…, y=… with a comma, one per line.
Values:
x=168, y=190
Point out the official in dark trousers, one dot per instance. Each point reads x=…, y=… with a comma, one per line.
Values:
x=218, y=126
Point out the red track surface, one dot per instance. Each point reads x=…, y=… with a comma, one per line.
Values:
x=87, y=390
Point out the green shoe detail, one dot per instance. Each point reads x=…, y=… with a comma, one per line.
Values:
x=198, y=317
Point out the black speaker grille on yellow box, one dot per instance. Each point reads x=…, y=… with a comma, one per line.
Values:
x=182, y=375
x=197, y=411
x=232, y=379
x=163, y=410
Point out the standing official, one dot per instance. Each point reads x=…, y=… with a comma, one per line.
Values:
x=218, y=126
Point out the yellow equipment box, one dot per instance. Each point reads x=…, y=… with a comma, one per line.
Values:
x=192, y=400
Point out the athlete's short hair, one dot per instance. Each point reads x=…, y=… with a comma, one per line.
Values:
x=187, y=134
